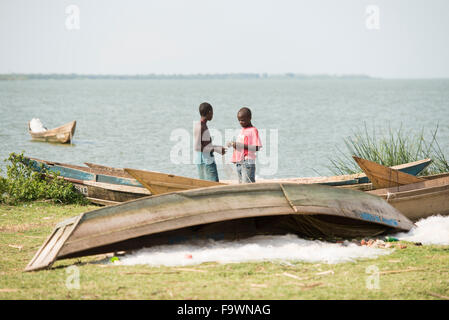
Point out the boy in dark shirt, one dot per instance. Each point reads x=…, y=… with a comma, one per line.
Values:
x=204, y=149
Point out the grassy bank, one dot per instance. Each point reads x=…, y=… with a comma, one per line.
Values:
x=417, y=272
x=389, y=149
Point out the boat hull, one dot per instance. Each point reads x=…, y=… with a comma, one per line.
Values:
x=98, y=187
x=62, y=134
x=159, y=183
x=419, y=200
x=226, y=212
x=108, y=194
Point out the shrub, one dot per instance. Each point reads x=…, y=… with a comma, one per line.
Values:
x=23, y=184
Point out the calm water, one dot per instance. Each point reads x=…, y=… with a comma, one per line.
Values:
x=129, y=123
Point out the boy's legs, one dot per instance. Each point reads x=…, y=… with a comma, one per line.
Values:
x=238, y=168
x=246, y=172
x=249, y=172
x=211, y=172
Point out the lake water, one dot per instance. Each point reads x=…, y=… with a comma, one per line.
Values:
x=143, y=123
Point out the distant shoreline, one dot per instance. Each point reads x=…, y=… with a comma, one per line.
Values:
x=55, y=76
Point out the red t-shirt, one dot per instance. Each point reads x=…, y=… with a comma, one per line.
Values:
x=250, y=137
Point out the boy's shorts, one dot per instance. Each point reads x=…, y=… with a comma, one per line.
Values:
x=208, y=171
x=207, y=168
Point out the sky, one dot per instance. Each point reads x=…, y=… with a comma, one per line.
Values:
x=380, y=38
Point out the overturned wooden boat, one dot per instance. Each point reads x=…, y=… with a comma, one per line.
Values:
x=221, y=212
x=62, y=134
x=97, y=185
x=419, y=200
x=385, y=177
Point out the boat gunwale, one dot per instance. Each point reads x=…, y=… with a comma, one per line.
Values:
x=412, y=187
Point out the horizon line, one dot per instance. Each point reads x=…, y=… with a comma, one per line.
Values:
x=254, y=75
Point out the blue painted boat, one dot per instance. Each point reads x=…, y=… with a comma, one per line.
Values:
x=81, y=173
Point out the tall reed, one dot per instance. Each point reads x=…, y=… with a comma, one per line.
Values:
x=395, y=148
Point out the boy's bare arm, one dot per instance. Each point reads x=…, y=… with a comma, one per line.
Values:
x=197, y=135
x=219, y=149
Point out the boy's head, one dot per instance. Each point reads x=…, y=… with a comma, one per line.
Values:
x=244, y=117
x=206, y=111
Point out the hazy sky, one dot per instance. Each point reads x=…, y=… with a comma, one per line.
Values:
x=209, y=36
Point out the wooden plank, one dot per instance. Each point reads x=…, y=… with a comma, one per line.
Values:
x=102, y=202
x=110, y=170
x=47, y=254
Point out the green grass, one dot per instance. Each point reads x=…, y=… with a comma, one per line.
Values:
x=423, y=271
x=390, y=149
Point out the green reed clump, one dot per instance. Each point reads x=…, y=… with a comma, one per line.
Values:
x=23, y=184
x=396, y=148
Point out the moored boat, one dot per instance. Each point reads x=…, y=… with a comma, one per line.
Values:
x=385, y=177
x=221, y=212
x=158, y=183
x=98, y=187
x=108, y=194
x=419, y=200
x=352, y=180
x=83, y=173
x=62, y=134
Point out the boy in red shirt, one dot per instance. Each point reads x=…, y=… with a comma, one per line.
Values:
x=245, y=147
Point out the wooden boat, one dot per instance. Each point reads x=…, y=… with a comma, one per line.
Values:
x=108, y=194
x=351, y=180
x=83, y=173
x=385, y=177
x=96, y=186
x=369, y=186
x=62, y=134
x=159, y=183
x=221, y=212
x=419, y=200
